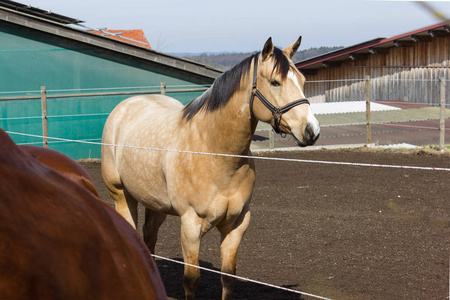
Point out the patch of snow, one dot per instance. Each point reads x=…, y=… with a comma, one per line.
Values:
x=348, y=107
x=402, y=145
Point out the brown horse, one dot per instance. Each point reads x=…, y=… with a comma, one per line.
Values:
x=205, y=191
x=63, y=164
x=59, y=240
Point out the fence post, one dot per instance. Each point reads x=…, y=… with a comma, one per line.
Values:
x=163, y=88
x=44, y=115
x=271, y=140
x=368, y=129
x=442, y=117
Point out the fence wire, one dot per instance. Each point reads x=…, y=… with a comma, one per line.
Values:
x=236, y=156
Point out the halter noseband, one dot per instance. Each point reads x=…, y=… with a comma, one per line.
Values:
x=277, y=112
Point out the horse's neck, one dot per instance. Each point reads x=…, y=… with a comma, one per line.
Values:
x=229, y=129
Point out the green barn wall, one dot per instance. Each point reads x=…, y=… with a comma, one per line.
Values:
x=29, y=60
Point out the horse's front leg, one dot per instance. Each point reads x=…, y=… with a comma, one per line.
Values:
x=191, y=234
x=231, y=239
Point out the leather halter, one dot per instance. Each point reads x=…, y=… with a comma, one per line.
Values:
x=277, y=112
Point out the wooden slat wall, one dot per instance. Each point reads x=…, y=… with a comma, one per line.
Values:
x=404, y=73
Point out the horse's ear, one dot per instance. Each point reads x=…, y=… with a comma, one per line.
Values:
x=292, y=49
x=268, y=49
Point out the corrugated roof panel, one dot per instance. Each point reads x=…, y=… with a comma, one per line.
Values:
x=344, y=54
x=37, y=12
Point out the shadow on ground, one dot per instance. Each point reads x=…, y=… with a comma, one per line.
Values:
x=210, y=286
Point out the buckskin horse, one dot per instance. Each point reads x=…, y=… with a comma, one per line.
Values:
x=59, y=240
x=206, y=191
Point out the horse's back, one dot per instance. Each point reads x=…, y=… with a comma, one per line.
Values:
x=63, y=164
x=142, y=107
x=60, y=241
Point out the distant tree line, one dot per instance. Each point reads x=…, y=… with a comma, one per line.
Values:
x=225, y=61
x=312, y=52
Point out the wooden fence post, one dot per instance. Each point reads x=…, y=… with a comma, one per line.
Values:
x=271, y=140
x=442, y=117
x=368, y=129
x=163, y=88
x=44, y=116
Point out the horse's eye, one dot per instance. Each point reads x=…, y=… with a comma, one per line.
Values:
x=275, y=83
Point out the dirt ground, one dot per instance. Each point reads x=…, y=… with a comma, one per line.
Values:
x=343, y=232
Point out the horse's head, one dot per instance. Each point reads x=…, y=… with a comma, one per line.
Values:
x=279, y=87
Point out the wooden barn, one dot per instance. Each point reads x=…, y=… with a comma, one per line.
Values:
x=85, y=74
x=406, y=67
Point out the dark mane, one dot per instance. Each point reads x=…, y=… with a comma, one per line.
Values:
x=226, y=84
x=221, y=90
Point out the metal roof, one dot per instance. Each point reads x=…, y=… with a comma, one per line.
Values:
x=35, y=19
x=41, y=13
x=379, y=45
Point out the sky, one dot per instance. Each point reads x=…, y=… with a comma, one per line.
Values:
x=198, y=26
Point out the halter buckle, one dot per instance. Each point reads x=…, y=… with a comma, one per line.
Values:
x=277, y=113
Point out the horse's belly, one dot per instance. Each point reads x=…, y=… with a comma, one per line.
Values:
x=146, y=182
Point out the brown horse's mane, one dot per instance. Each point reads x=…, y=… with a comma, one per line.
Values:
x=226, y=84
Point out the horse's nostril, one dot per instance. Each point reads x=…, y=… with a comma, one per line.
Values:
x=309, y=133
x=310, y=136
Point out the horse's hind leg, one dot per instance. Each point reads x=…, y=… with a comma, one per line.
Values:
x=125, y=205
x=153, y=220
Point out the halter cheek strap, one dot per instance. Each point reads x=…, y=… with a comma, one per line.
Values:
x=277, y=112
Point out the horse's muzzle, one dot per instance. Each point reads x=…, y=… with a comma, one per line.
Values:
x=309, y=137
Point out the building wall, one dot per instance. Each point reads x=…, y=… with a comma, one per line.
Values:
x=404, y=73
x=30, y=59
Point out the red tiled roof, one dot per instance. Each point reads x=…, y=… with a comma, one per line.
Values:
x=137, y=36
